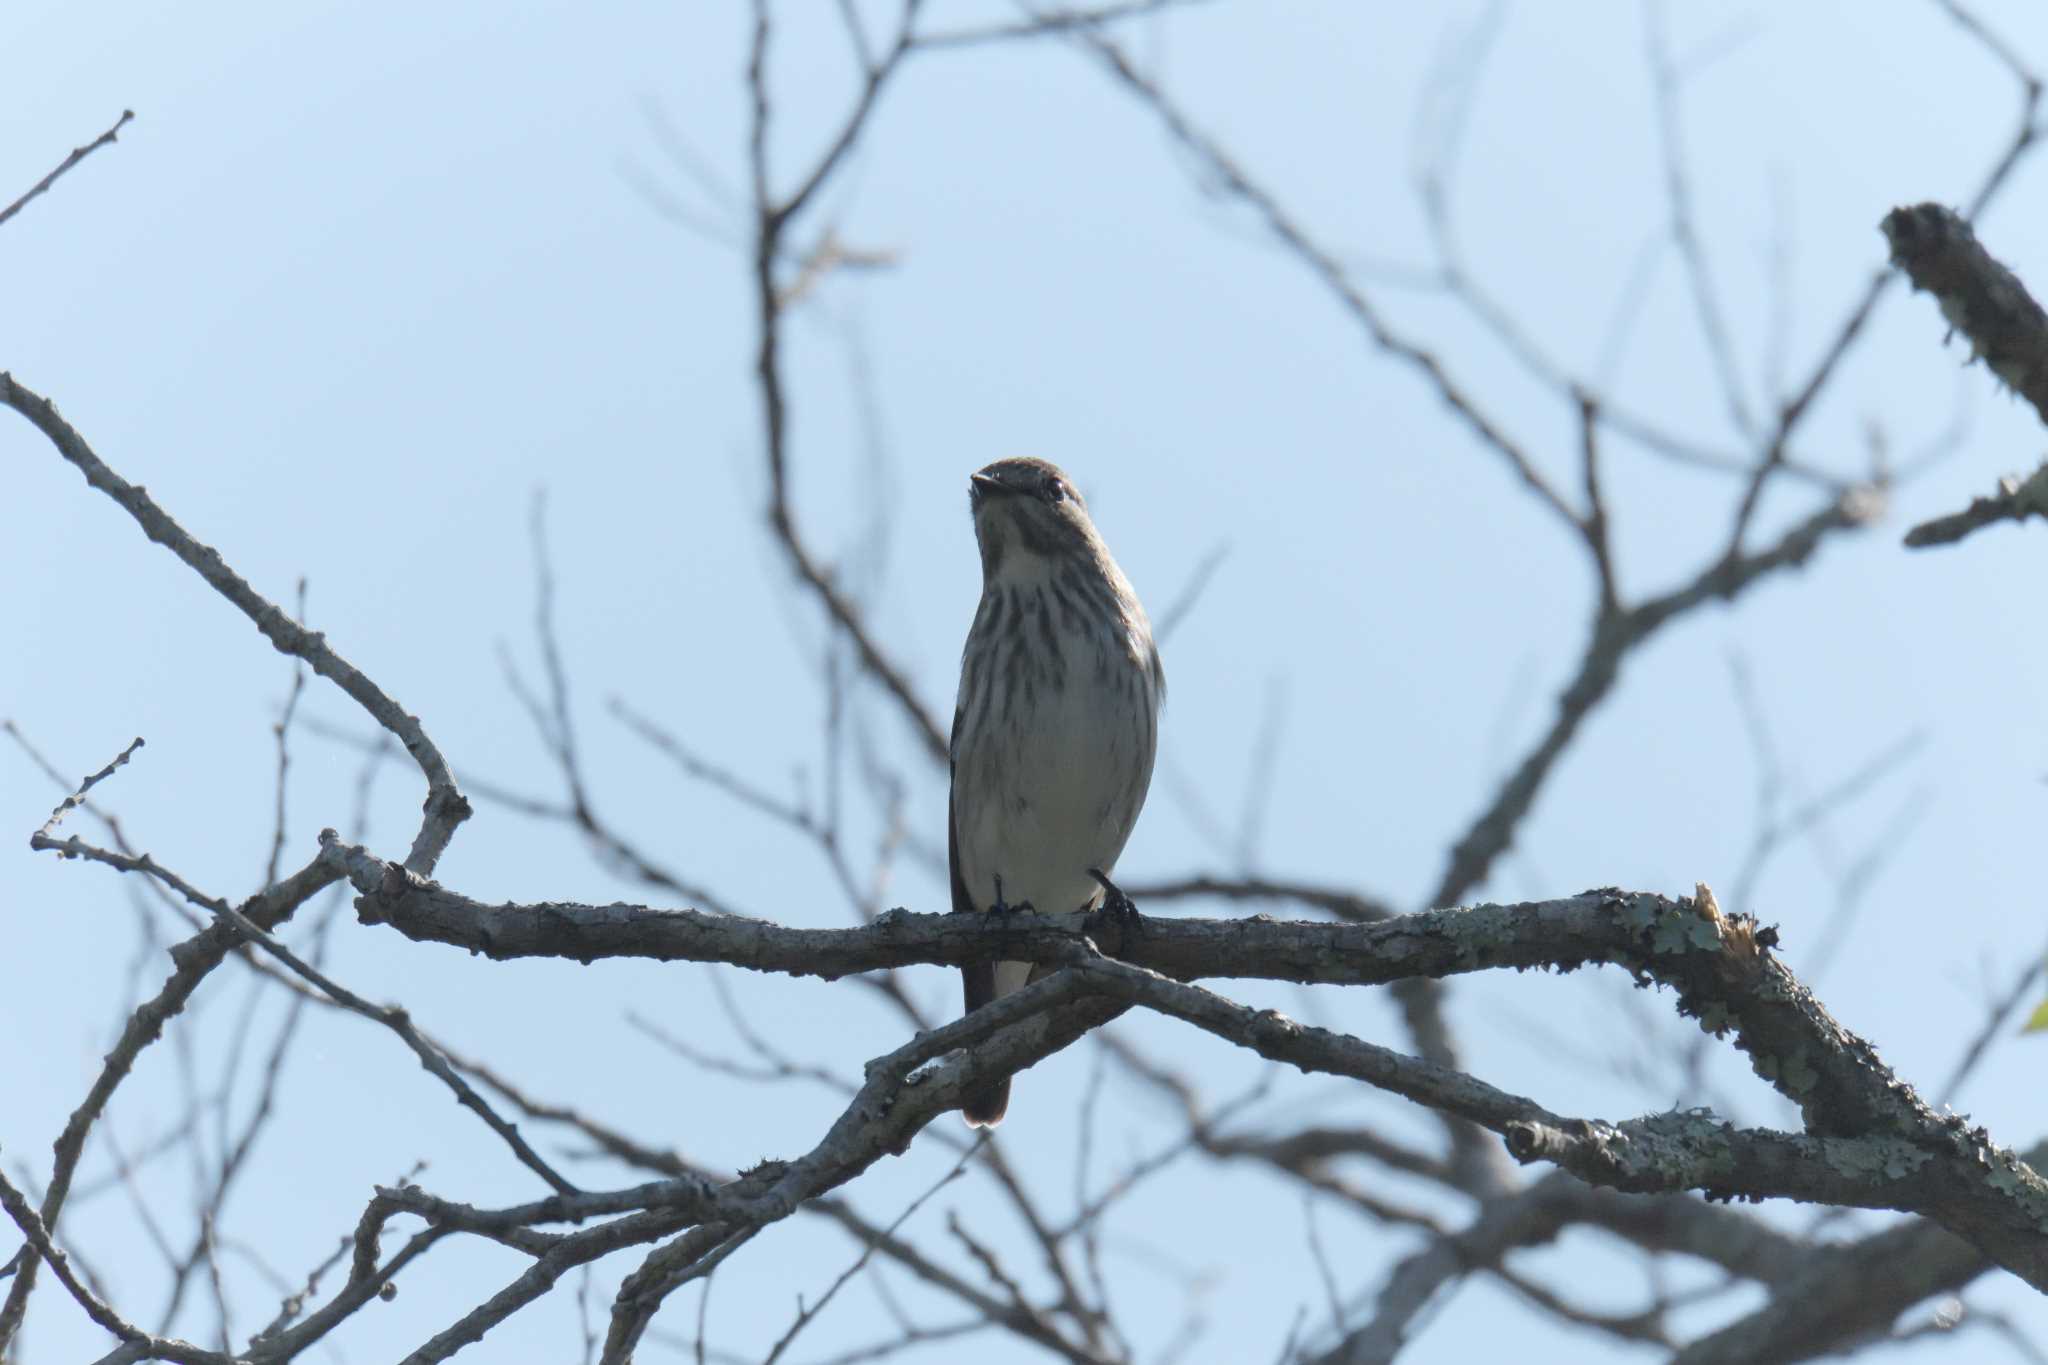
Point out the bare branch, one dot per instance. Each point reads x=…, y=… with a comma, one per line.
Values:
x=445, y=806
x=1178, y=609
x=78, y=154
x=1665, y=83
x=1978, y=296
x=282, y=732
x=1051, y=23
x=811, y=1311
x=1719, y=964
x=1843, y=1294
x=393, y=1017
x=77, y=798
x=193, y=960
x=1327, y=268
x=1529, y=1217
x=38, y=1235
x=1345, y=905
x=2007, y=55
x=2016, y=500
x=772, y=218
x=1616, y=635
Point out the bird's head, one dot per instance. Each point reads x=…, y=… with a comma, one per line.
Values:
x=1027, y=511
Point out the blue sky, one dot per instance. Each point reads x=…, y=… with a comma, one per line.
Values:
x=359, y=279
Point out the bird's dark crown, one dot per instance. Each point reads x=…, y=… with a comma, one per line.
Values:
x=1023, y=476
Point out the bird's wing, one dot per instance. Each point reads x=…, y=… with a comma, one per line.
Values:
x=979, y=978
x=985, y=1108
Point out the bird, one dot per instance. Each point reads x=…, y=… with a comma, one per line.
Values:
x=1056, y=723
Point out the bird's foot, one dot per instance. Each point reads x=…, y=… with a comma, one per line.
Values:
x=1003, y=907
x=1118, y=908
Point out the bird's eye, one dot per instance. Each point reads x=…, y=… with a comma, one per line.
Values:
x=1056, y=491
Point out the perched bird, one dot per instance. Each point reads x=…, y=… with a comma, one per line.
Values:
x=1056, y=725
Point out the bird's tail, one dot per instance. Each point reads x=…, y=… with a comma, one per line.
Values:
x=985, y=1109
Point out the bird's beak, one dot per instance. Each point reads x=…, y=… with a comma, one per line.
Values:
x=982, y=486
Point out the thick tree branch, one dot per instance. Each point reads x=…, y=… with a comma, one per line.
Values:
x=1907, y=1158
x=1719, y=965
x=1978, y=296
x=2007, y=330
x=1569, y=931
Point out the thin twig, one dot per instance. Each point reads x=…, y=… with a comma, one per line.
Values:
x=78, y=154
x=445, y=806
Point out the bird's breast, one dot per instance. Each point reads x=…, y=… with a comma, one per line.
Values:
x=1053, y=756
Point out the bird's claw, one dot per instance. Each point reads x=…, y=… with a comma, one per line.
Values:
x=1117, y=907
